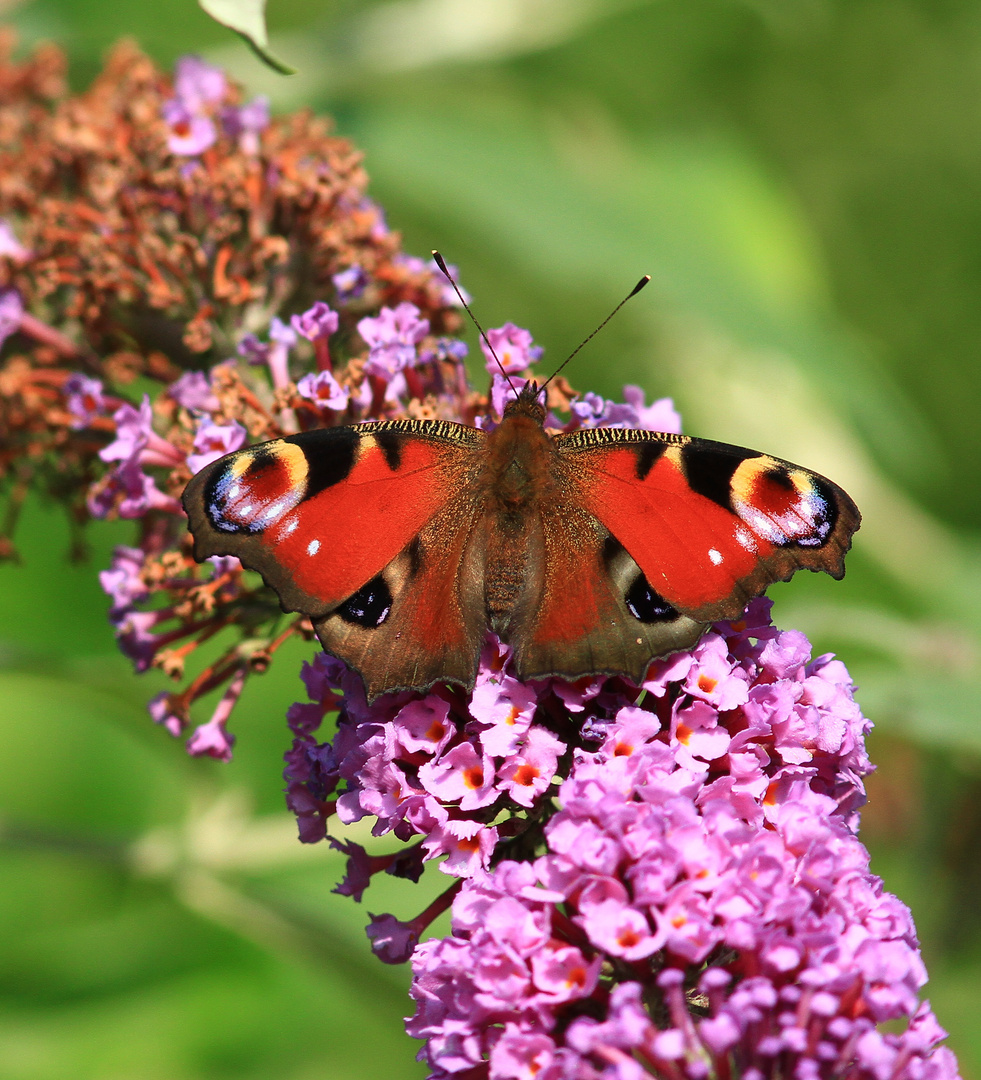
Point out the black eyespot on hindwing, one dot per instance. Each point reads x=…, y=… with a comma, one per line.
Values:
x=330, y=454
x=369, y=606
x=646, y=605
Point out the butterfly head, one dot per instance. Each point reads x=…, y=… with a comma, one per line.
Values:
x=528, y=402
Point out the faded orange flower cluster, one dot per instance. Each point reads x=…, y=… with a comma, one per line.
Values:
x=181, y=274
x=130, y=262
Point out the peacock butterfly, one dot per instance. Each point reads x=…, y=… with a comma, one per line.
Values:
x=591, y=552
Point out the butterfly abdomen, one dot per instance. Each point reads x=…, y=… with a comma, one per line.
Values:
x=516, y=478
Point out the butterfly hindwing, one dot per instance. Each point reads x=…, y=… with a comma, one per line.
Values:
x=422, y=619
x=710, y=525
x=592, y=610
x=322, y=513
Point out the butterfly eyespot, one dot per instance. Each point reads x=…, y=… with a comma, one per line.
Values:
x=783, y=505
x=369, y=606
x=646, y=605
x=255, y=489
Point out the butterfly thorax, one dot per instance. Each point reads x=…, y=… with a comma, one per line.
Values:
x=518, y=461
x=516, y=478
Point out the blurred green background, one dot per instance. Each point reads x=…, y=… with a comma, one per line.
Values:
x=802, y=179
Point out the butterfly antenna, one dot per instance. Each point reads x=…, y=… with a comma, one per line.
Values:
x=633, y=292
x=473, y=318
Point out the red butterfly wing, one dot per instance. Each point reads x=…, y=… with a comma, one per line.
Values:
x=322, y=513
x=585, y=609
x=422, y=619
x=710, y=525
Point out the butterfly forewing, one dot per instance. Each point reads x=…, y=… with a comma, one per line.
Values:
x=321, y=514
x=710, y=525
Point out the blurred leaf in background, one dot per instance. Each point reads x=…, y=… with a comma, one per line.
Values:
x=803, y=182
x=248, y=19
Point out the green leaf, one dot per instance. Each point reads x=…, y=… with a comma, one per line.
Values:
x=248, y=19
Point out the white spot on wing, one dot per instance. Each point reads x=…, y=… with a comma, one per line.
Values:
x=746, y=538
x=715, y=556
x=313, y=547
x=275, y=510
x=290, y=526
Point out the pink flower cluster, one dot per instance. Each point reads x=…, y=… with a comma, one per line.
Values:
x=199, y=90
x=703, y=907
x=439, y=766
x=744, y=709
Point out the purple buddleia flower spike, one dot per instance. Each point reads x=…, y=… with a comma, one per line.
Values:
x=513, y=347
x=392, y=338
x=699, y=826
x=11, y=311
